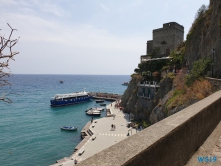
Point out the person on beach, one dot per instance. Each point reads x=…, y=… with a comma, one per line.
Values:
x=112, y=126
x=113, y=116
x=92, y=119
x=75, y=161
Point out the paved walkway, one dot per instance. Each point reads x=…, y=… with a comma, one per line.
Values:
x=211, y=149
x=105, y=136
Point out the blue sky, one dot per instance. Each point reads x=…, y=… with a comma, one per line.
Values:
x=87, y=36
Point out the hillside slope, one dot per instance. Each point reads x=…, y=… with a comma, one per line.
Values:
x=205, y=35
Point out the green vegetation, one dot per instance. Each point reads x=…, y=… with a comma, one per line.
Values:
x=198, y=71
x=202, y=21
x=145, y=124
x=151, y=70
x=177, y=56
x=176, y=93
x=190, y=87
x=200, y=13
x=171, y=75
x=185, y=95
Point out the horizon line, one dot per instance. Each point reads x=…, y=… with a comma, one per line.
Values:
x=72, y=74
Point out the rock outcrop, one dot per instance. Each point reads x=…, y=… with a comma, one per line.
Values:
x=205, y=35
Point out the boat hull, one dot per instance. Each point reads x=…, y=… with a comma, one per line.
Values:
x=93, y=114
x=64, y=102
x=68, y=128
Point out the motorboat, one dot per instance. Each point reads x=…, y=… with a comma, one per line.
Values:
x=95, y=109
x=93, y=112
x=99, y=109
x=69, y=128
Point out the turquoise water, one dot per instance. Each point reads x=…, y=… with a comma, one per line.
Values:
x=30, y=129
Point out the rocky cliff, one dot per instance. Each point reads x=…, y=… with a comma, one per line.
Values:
x=142, y=107
x=205, y=35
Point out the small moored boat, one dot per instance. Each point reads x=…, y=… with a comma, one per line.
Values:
x=69, y=128
x=102, y=104
x=93, y=111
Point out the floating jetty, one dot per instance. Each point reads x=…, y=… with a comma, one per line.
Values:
x=105, y=96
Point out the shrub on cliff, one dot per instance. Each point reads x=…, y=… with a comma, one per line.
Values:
x=185, y=95
x=177, y=56
x=198, y=71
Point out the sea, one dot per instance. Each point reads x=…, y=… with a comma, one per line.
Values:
x=30, y=133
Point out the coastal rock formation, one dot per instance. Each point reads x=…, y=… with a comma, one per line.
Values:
x=205, y=35
x=130, y=98
x=143, y=108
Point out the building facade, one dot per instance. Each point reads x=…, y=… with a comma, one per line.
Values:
x=166, y=38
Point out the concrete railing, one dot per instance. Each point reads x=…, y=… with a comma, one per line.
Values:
x=171, y=141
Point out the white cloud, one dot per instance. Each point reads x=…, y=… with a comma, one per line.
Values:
x=104, y=8
x=48, y=7
x=46, y=44
x=8, y=2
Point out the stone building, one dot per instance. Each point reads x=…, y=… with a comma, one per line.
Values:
x=165, y=40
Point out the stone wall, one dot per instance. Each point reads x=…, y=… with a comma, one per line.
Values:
x=171, y=141
x=168, y=37
x=149, y=47
x=216, y=83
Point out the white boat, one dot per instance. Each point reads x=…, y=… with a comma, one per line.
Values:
x=99, y=109
x=93, y=111
x=69, y=128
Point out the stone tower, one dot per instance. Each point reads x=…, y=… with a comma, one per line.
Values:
x=166, y=38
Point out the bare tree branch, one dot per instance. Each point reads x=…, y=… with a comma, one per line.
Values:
x=6, y=44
